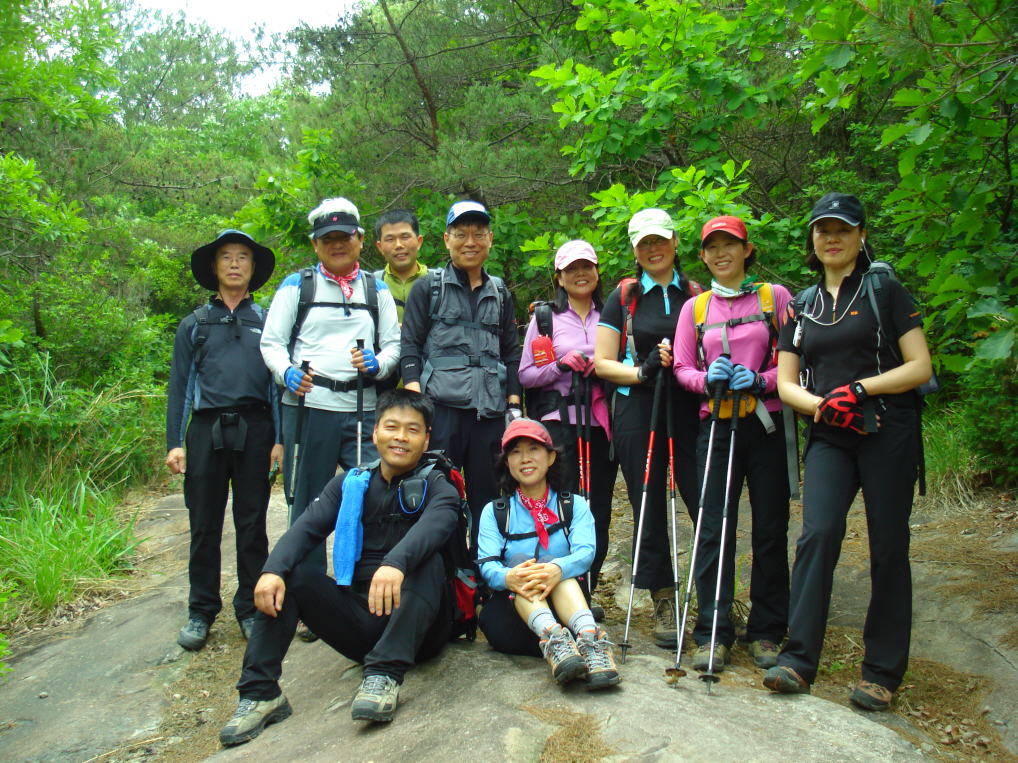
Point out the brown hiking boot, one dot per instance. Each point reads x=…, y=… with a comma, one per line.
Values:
x=563, y=657
x=871, y=696
x=702, y=661
x=597, y=655
x=666, y=629
x=785, y=680
x=764, y=653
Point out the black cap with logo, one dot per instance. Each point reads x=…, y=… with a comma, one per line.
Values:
x=839, y=205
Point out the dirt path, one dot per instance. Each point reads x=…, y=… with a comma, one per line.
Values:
x=117, y=688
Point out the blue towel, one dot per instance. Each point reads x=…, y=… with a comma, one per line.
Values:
x=346, y=546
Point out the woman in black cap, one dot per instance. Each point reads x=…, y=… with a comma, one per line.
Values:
x=858, y=372
x=222, y=403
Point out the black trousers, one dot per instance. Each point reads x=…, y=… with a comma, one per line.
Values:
x=207, y=482
x=386, y=645
x=328, y=438
x=837, y=464
x=760, y=460
x=505, y=630
x=472, y=444
x=631, y=433
x=602, y=482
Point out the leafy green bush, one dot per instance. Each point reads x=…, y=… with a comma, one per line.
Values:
x=989, y=418
x=951, y=465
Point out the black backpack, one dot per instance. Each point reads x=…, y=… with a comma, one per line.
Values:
x=540, y=402
x=501, y=509
x=203, y=326
x=462, y=594
x=307, y=300
x=873, y=287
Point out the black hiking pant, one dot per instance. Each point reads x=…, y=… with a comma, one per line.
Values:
x=472, y=444
x=328, y=438
x=207, y=483
x=386, y=645
x=630, y=435
x=602, y=482
x=837, y=463
x=760, y=460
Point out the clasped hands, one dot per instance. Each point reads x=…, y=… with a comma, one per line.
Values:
x=533, y=580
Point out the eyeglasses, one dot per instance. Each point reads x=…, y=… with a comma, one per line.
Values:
x=230, y=258
x=650, y=242
x=460, y=236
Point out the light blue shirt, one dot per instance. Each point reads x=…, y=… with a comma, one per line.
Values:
x=574, y=554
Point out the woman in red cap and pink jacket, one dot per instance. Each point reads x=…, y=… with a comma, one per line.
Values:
x=732, y=343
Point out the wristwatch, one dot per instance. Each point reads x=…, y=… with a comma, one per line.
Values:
x=858, y=390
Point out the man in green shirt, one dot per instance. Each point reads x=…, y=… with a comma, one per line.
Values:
x=398, y=237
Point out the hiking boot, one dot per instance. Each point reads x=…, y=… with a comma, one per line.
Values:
x=193, y=635
x=305, y=634
x=738, y=616
x=252, y=717
x=247, y=627
x=666, y=633
x=598, y=613
x=563, y=657
x=871, y=696
x=785, y=680
x=764, y=653
x=376, y=700
x=596, y=650
x=722, y=656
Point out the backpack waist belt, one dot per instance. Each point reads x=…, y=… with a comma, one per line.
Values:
x=341, y=386
x=446, y=361
x=231, y=417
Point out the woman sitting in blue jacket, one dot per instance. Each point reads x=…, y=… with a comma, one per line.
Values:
x=539, y=559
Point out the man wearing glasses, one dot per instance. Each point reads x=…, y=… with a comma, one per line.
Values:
x=461, y=348
x=223, y=408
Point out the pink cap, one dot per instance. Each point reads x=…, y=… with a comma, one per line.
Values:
x=571, y=251
x=727, y=223
x=535, y=430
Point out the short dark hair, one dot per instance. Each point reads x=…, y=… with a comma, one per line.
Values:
x=394, y=216
x=508, y=485
x=405, y=398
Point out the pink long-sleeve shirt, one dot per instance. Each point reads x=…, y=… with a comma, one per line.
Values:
x=750, y=343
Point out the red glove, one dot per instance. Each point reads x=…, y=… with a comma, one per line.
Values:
x=574, y=360
x=840, y=408
x=590, y=367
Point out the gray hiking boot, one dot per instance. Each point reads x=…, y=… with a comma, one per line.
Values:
x=252, y=717
x=722, y=656
x=666, y=629
x=597, y=655
x=193, y=635
x=764, y=653
x=563, y=657
x=376, y=700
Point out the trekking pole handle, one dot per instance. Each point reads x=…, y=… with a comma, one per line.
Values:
x=719, y=392
x=736, y=399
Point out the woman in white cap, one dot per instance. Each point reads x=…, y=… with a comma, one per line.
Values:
x=558, y=360
x=632, y=349
x=855, y=343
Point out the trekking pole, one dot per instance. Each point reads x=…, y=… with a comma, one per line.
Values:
x=578, y=410
x=719, y=392
x=643, y=508
x=671, y=490
x=297, y=436
x=587, y=397
x=709, y=676
x=360, y=403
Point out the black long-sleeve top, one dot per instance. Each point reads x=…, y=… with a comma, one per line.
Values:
x=400, y=544
x=416, y=321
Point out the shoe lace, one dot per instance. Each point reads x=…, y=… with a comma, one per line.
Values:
x=560, y=646
x=597, y=652
x=766, y=646
x=665, y=610
x=245, y=707
x=194, y=626
x=376, y=684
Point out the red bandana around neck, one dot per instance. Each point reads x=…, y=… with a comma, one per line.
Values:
x=538, y=508
x=345, y=282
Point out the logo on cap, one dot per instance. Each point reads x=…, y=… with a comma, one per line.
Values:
x=835, y=205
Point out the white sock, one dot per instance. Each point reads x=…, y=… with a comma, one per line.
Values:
x=582, y=621
x=541, y=621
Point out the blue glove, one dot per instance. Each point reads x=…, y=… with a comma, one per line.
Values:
x=292, y=378
x=720, y=370
x=743, y=379
x=370, y=362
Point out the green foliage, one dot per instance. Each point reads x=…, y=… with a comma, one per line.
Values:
x=989, y=418
x=952, y=467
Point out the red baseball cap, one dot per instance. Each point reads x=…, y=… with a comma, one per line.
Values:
x=727, y=223
x=535, y=430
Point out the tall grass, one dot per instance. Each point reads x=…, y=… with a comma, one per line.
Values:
x=67, y=454
x=952, y=469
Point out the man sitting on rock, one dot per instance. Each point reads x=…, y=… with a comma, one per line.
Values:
x=385, y=608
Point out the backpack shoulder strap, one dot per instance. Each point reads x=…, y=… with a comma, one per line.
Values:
x=543, y=315
x=873, y=284
x=565, y=503
x=696, y=289
x=380, y=274
x=700, y=306
x=627, y=297
x=371, y=299
x=304, y=302
x=504, y=300
x=200, y=334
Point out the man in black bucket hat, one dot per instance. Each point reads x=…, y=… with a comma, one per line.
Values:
x=224, y=398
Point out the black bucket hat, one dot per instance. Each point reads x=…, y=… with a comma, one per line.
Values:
x=203, y=257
